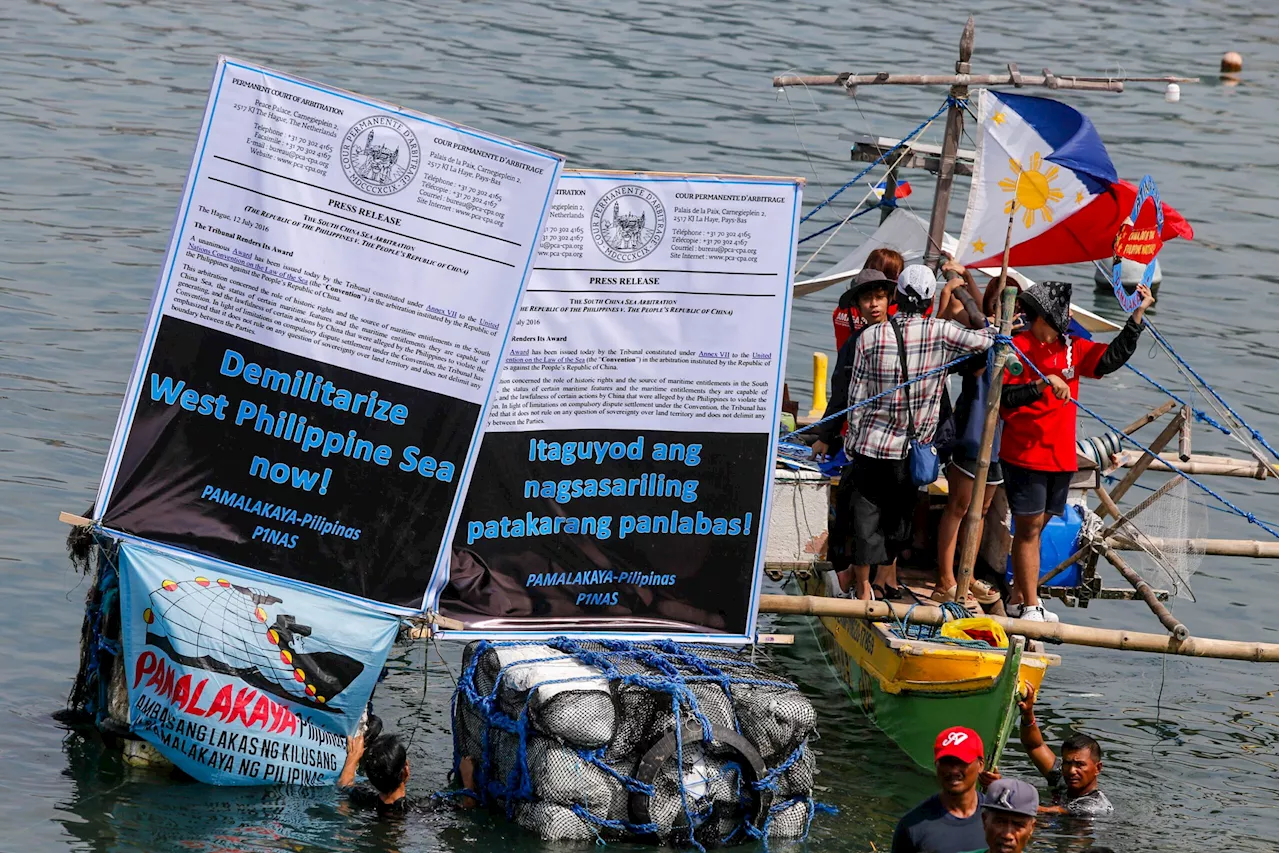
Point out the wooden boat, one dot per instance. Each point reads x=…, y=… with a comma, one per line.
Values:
x=913, y=689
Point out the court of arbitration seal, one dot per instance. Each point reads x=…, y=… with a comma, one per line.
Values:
x=628, y=223
x=380, y=155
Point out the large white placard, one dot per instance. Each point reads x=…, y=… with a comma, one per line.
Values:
x=325, y=335
x=623, y=484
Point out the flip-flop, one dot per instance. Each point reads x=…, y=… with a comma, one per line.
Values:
x=983, y=592
x=886, y=593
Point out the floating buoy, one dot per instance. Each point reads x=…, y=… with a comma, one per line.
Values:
x=273, y=636
x=1173, y=93
x=1232, y=63
x=299, y=676
x=148, y=616
x=286, y=658
x=202, y=581
x=224, y=583
x=260, y=614
x=169, y=586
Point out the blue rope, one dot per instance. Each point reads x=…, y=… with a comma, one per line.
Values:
x=880, y=159
x=849, y=218
x=1247, y=516
x=677, y=667
x=1182, y=361
x=870, y=400
x=1201, y=416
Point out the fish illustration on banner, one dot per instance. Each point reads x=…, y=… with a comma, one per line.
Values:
x=241, y=680
x=1044, y=162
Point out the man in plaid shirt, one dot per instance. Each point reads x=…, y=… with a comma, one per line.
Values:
x=883, y=496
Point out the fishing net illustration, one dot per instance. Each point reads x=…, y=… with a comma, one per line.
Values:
x=1163, y=527
x=238, y=630
x=679, y=744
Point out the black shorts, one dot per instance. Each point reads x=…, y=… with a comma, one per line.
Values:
x=967, y=465
x=1036, y=492
x=882, y=502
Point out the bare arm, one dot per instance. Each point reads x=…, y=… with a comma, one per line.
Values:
x=355, y=750
x=1029, y=732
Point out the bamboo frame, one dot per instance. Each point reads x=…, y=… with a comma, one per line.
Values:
x=1054, y=632
x=1144, y=589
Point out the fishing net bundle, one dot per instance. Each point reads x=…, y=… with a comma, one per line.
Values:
x=681, y=744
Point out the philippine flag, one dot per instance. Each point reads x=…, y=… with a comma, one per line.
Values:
x=1044, y=162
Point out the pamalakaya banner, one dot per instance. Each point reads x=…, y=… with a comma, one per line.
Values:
x=624, y=479
x=240, y=680
x=325, y=335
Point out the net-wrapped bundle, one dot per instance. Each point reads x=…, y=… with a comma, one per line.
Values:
x=668, y=743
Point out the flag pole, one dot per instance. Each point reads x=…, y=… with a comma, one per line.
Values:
x=973, y=518
x=950, y=145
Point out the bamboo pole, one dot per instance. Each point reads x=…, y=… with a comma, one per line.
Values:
x=970, y=542
x=1213, y=547
x=1176, y=628
x=1145, y=461
x=947, y=161
x=1158, y=412
x=1055, y=632
x=1200, y=463
x=883, y=79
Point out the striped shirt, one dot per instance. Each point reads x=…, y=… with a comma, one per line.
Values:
x=880, y=429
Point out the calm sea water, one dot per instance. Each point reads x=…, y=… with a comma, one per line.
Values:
x=100, y=104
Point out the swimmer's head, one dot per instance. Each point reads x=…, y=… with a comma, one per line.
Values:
x=386, y=763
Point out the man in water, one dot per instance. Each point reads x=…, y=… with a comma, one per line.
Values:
x=949, y=821
x=1009, y=815
x=1073, y=778
x=386, y=766
x=1038, y=443
x=884, y=496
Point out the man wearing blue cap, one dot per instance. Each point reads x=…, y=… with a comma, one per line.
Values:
x=1009, y=815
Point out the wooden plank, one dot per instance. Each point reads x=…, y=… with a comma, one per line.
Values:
x=74, y=520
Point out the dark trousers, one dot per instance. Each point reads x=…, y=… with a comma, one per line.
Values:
x=882, y=500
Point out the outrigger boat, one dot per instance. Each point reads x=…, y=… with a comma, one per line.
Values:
x=913, y=684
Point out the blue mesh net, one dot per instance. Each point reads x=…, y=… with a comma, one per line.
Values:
x=674, y=743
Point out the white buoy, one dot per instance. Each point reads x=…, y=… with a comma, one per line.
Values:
x=1173, y=93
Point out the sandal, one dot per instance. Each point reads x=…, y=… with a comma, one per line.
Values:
x=983, y=592
x=886, y=593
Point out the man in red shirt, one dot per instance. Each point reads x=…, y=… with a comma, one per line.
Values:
x=1038, y=443
x=847, y=316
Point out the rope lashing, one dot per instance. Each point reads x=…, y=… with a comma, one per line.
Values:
x=1247, y=516
x=934, y=372
x=1198, y=414
x=1257, y=436
x=942, y=109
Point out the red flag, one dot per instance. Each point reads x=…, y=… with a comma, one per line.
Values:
x=1090, y=233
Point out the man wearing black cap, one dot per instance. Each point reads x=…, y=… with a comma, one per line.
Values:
x=1038, y=443
x=1009, y=815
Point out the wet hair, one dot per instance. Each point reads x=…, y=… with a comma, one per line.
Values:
x=888, y=261
x=1075, y=743
x=384, y=763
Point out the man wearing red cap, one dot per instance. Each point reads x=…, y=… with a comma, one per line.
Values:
x=949, y=821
